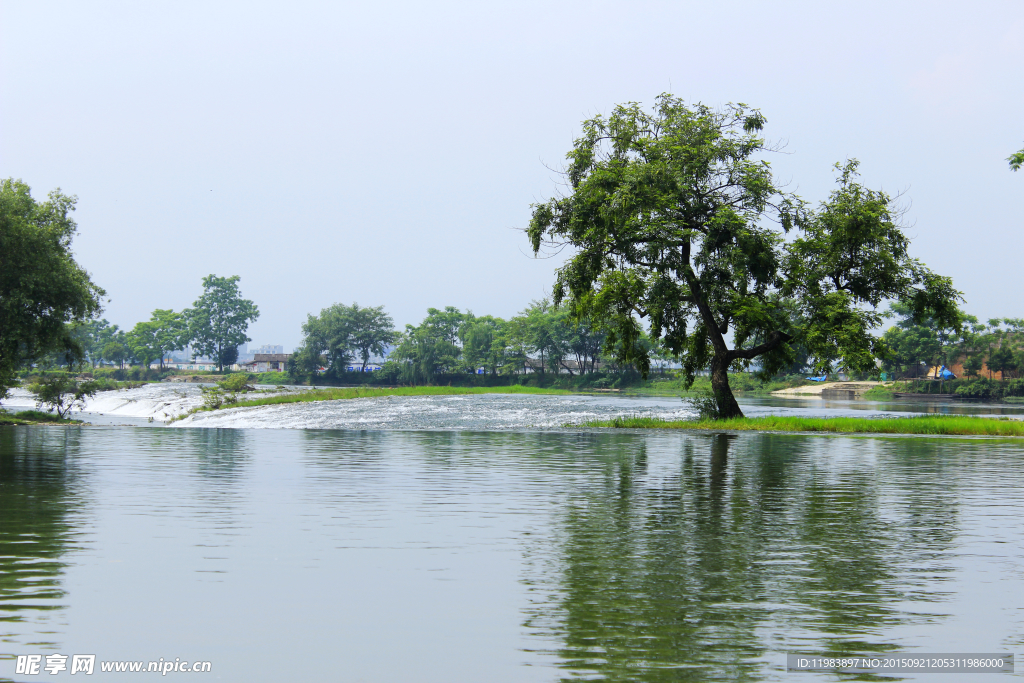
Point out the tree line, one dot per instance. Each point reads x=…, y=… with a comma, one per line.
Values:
x=980, y=348
x=541, y=339
x=50, y=307
x=213, y=327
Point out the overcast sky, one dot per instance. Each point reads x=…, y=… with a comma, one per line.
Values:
x=388, y=153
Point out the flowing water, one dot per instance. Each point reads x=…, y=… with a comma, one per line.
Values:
x=474, y=539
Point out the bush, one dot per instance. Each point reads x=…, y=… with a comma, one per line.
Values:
x=62, y=392
x=982, y=388
x=1015, y=387
x=237, y=382
x=704, y=403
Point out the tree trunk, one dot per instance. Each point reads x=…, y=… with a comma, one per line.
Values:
x=727, y=405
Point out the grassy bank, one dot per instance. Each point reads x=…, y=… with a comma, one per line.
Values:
x=33, y=417
x=926, y=424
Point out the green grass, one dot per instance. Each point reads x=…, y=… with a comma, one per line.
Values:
x=742, y=383
x=879, y=394
x=957, y=425
x=29, y=417
x=271, y=377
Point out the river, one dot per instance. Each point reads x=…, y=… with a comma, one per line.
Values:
x=478, y=539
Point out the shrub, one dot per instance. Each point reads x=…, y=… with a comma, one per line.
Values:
x=238, y=382
x=62, y=392
x=705, y=404
x=1015, y=387
x=982, y=388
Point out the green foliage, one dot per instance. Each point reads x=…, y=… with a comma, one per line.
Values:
x=62, y=392
x=213, y=397
x=94, y=335
x=165, y=331
x=981, y=389
x=116, y=352
x=337, y=336
x=1016, y=160
x=986, y=389
x=670, y=215
x=1002, y=360
x=218, y=320
x=236, y=382
x=704, y=404
x=932, y=425
x=972, y=365
x=271, y=377
x=431, y=348
x=22, y=417
x=44, y=293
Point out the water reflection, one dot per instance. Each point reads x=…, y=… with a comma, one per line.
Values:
x=757, y=541
x=39, y=505
x=860, y=407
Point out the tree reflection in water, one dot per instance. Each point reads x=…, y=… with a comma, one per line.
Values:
x=749, y=547
x=39, y=498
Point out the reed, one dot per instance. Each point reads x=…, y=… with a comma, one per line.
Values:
x=938, y=425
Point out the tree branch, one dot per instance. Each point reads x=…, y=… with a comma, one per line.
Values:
x=775, y=339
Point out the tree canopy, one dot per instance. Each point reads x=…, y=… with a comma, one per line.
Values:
x=675, y=217
x=164, y=331
x=219, y=318
x=43, y=290
x=335, y=337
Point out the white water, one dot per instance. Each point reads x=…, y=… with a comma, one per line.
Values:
x=477, y=411
x=161, y=402
x=164, y=402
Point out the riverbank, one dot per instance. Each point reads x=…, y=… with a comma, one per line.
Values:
x=34, y=417
x=937, y=425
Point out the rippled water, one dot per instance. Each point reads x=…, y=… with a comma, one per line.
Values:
x=515, y=555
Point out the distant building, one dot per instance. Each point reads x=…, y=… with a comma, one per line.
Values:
x=267, y=362
x=267, y=349
x=186, y=365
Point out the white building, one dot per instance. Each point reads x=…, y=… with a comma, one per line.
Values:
x=267, y=362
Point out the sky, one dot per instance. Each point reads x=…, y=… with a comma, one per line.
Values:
x=388, y=153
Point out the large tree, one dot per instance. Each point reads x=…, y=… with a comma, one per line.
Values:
x=372, y=331
x=675, y=217
x=219, y=318
x=335, y=337
x=164, y=331
x=44, y=293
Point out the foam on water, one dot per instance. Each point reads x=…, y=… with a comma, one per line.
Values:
x=478, y=411
x=161, y=402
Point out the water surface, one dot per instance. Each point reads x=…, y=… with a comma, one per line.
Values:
x=446, y=555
